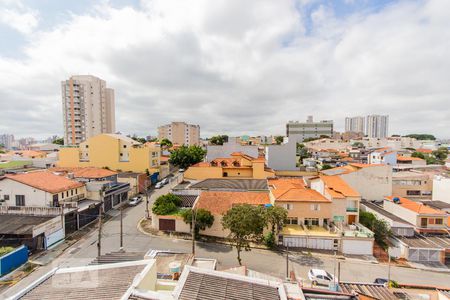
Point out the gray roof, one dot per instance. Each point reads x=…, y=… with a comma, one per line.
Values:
x=436, y=204
x=376, y=291
x=20, y=224
x=211, y=287
x=107, y=283
x=187, y=200
x=427, y=242
x=231, y=184
x=385, y=213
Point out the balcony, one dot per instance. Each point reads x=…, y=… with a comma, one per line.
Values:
x=352, y=209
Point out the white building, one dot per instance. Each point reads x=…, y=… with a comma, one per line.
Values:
x=298, y=131
x=232, y=146
x=354, y=124
x=384, y=156
x=180, y=133
x=377, y=126
x=88, y=108
x=7, y=140
x=441, y=188
x=282, y=157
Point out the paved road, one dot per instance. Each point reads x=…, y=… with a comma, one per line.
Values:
x=85, y=250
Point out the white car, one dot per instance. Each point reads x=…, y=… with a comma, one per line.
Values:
x=318, y=276
x=181, y=170
x=159, y=185
x=165, y=181
x=135, y=200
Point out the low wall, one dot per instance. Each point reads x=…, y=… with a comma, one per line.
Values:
x=12, y=260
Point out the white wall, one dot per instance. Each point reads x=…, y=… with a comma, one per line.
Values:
x=398, y=210
x=373, y=183
x=357, y=246
x=282, y=157
x=441, y=189
x=226, y=149
x=33, y=197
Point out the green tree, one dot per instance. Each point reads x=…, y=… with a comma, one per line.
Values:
x=139, y=139
x=441, y=154
x=203, y=219
x=418, y=154
x=185, y=157
x=276, y=217
x=166, y=205
x=421, y=136
x=245, y=222
x=326, y=167
x=324, y=136
x=310, y=139
x=218, y=139
x=58, y=141
x=302, y=151
x=166, y=143
x=379, y=227
x=279, y=139
x=358, y=145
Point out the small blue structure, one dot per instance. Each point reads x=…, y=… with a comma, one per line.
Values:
x=14, y=259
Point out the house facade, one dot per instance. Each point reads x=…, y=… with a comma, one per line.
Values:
x=385, y=156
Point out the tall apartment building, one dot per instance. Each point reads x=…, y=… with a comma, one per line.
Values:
x=377, y=126
x=180, y=133
x=88, y=108
x=7, y=140
x=298, y=131
x=354, y=124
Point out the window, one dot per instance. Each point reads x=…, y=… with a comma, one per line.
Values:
x=439, y=221
x=55, y=201
x=124, y=146
x=413, y=193
x=292, y=221
x=71, y=192
x=315, y=207
x=312, y=222
x=62, y=195
x=288, y=206
x=67, y=193
x=6, y=197
x=20, y=200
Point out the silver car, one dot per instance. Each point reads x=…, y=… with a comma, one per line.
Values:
x=318, y=276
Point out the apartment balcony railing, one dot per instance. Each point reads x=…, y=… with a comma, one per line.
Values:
x=352, y=209
x=74, y=198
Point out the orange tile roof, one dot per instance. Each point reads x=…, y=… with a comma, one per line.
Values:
x=220, y=202
x=416, y=207
x=423, y=150
x=45, y=181
x=338, y=187
x=88, y=172
x=292, y=189
x=406, y=158
x=164, y=158
x=358, y=165
x=28, y=153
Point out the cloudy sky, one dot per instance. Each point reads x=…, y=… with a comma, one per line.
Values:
x=232, y=66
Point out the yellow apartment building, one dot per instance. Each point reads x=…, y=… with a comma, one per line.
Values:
x=239, y=165
x=113, y=151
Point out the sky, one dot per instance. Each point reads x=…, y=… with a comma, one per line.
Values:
x=233, y=67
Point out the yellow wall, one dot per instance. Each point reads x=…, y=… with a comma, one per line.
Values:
x=104, y=151
x=239, y=172
x=203, y=173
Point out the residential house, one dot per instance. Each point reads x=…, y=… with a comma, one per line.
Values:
x=327, y=143
x=385, y=156
x=239, y=165
x=409, y=160
x=412, y=184
x=232, y=146
x=372, y=182
x=425, y=218
x=113, y=151
x=282, y=157
x=441, y=188
x=139, y=182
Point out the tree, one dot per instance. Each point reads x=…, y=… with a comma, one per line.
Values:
x=139, y=139
x=166, y=205
x=379, y=227
x=302, y=151
x=58, y=141
x=275, y=216
x=441, y=154
x=418, y=154
x=245, y=222
x=358, y=145
x=166, y=143
x=326, y=167
x=421, y=136
x=185, y=157
x=324, y=136
x=279, y=139
x=218, y=139
x=203, y=219
x=310, y=139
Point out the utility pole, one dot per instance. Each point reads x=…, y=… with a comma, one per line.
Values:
x=334, y=269
x=339, y=272
x=147, y=212
x=389, y=270
x=287, y=260
x=194, y=212
x=121, y=227
x=99, y=242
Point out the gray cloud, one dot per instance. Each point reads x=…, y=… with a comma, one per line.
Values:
x=239, y=67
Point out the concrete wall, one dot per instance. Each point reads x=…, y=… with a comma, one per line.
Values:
x=405, y=214
x=282, y=157
x=227, y=148
x=373, y=183
x=357, y=246
x=441, y=189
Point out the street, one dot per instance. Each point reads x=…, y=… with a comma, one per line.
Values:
x=85, y=250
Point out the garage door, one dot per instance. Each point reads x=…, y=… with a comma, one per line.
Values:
x=166, y=225
x=310, y=243
x=416, y=254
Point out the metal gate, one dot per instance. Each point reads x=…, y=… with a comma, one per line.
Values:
x=166, y=224
x=308, y=242
x=416, y=254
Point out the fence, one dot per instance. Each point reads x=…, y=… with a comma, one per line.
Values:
x=13, y=260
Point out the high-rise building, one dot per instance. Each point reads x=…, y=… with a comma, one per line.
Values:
x=180, y=133
x=299, y=131
x=354, y=124
x=377, y=126
x=6, y=140
x=88, y=108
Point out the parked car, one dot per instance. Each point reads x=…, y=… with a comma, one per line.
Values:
x=159, y=185
x=165, y=181
x=181, y=170
x=318, y=276
x=135, y=200
x=382, y=281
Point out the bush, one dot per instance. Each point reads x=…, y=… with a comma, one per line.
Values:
x=269, y=240
x=166, y=204
x=5, y=250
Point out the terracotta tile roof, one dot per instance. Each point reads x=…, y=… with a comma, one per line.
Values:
x=357, y=165
x=46, y=181
x=248, y=157
x=88, y=172
x=28, y=153
x=293, y=189
x=220, y=202
x=338, y=187
x=164, y=158
x=422, y=150
x=416, y=207
x=408, y=158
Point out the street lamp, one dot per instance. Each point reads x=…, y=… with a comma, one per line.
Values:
x=194, y=216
